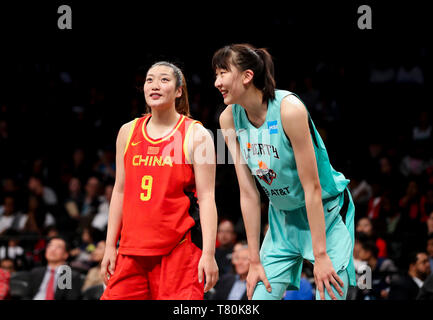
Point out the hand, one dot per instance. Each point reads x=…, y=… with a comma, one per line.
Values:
x=108, y=263
x=209, y=267
x=255, y=274
x=324, y=274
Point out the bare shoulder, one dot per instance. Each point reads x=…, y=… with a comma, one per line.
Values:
x=292, y=109
x=124, y=130
x=226, y=118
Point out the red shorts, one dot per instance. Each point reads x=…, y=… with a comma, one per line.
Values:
x=170, y=277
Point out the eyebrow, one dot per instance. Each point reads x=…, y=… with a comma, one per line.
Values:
x=162, y=74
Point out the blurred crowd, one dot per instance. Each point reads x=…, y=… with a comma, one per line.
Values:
x=57, y=170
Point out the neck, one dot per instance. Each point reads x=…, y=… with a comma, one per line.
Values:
x=53, y=265
x=243, y=277
x=164, y=117
x=372, y=262
x=253, y=105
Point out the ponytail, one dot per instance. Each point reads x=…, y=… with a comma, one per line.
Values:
x=181, y=103
x=244, y=57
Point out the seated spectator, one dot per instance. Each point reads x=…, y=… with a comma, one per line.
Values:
x=226, y=238
x=100, y=221
x=37, y=254
x=37, y=217
x=81, y=255
x=37, y=188
x=412, y=207
x=92, y=200
x=422, y=131
x=407, y=286
x=74, y=199
x=381, y=270
x=44, y=280
x=8, y=264
x=9, y=217
x=233, y=286
x=106, y=165
x=93, y=277
x=365, y=225
x=361, y=192
x=426, y=291
x=4, y=284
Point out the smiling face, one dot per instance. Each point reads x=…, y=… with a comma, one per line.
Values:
x=230, y=84
x=160, y=88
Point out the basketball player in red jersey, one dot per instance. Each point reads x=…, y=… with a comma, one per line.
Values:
x=167, y=246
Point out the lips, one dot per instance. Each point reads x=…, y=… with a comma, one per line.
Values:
x=224, y=93
x=155, y=96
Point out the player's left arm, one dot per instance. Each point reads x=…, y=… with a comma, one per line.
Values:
x=294, y=118
x=202, y=151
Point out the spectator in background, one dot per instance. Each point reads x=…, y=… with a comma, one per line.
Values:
x=406, y=286
x=381, y=268
x=37, y=188
x=100, y=221
x=365, y=226
x=93, y=276
x=226, y=238
x=106, y=166
x=43, y=280
x=8, y=264
x=422, y=131
x=361, y=192
x=81, y=255
x=37, y=217
x=412, y=207
x=75, y=198
x=9, y=217
x=232, y=286
x=426, y=291
x=92, y=200
x=12, y=249
x=4, y=284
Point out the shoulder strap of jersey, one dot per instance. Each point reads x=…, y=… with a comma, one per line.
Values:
x=188, y=126
x=131, y=130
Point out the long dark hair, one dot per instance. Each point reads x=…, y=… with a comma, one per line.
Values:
x=181, y=103
x=245, y=56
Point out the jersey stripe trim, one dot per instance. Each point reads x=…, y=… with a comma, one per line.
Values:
x=185, y=142
x=166, y=137
x=131, y=130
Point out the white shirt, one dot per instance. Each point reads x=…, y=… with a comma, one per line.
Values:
x=42, y=291
x=418, y=282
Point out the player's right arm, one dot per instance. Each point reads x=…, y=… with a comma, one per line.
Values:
x=116, y=204
x=249, y=200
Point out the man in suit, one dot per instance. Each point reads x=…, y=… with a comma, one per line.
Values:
x=44, y=281
x=406, y=287
x=233, y=286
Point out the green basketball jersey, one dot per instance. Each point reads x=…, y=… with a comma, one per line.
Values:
x=269, y=155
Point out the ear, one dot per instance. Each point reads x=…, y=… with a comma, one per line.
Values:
x=247, y=76
x=179, y=92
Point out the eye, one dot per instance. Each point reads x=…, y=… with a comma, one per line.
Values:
x=148, y=79
x=165, y=79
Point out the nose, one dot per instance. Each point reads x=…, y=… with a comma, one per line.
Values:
x=217, y=83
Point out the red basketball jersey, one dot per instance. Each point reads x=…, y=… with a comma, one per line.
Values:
x=159, y=184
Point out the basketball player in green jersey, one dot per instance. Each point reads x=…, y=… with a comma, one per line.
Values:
x=271, y=136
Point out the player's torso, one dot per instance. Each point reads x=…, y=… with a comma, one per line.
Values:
x=157, y=182
x=271, y=159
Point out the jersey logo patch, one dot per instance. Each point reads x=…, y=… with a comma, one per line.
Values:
x=273, y=127
x=266, y=174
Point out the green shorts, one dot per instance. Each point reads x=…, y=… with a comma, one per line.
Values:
x=288, y=241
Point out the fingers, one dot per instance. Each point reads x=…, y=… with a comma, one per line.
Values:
x=319, y=285
x=267, y=284
x=200, y=274
x=334, y=279
x=329, y=289
x=250, y=290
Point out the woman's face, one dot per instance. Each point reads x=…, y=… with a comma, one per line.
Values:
x=160, y=87
x=230, y=84
x=364, y=225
